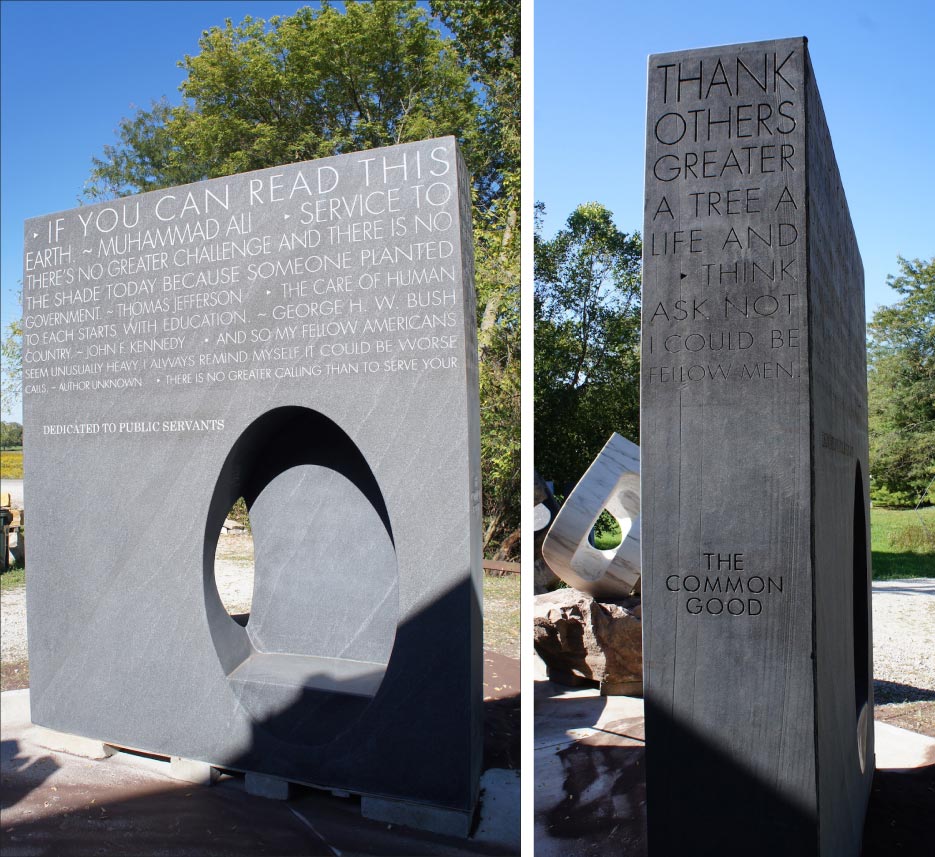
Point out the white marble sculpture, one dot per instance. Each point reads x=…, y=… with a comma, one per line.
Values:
x=612, y=482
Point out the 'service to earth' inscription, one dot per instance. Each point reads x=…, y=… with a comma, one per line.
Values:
x=725, y=218
x=343, y=267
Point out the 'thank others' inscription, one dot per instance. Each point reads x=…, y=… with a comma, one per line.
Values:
x=725, y=219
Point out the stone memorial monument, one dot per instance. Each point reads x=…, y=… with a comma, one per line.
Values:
x=302, y=337
x=759, y=711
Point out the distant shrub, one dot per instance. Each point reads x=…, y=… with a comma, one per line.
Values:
x=879, y=496
x=240, y=514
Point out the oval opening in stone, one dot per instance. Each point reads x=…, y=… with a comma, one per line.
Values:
x=233, y=563
x=325, y=602
x=606, y=533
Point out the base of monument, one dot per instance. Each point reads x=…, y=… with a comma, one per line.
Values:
x=192, y=771
x=448, y=822
x=569, y=678
x=263, y=785
x=420, y=816
x=74, y=745
x=622, y=688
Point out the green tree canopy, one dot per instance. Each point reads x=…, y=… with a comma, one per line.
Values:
x=487, y=38
x=314, y=84
x=11, y=363
x=322, y=82
x=901, y=387
x=587, y=317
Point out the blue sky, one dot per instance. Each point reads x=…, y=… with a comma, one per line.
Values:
x=873, y=65
x=70, y=72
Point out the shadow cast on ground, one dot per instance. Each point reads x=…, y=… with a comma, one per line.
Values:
x=886, y=692
x=24, y=776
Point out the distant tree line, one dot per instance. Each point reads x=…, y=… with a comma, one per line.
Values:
x=11, y=435
x=587, y=334
x=901, y=387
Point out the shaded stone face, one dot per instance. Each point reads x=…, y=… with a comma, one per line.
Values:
x=753, y=525
x=303, y=337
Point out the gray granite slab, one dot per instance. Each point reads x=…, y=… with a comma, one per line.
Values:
x=303, y=337
x=754, y=464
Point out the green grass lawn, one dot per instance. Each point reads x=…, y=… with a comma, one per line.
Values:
x=897, y=539
x=13, y=578
x=501, y=614
x=11, y=464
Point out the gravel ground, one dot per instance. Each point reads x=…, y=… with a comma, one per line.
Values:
x=904, y=640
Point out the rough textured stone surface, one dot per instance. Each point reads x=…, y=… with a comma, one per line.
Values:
x=583, y=640
x=754, y=464
x=302, y=337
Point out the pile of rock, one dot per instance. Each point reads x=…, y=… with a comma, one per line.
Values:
x=584, y=641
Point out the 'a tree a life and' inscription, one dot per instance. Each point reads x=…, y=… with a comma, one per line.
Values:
x=754, y=464
x=303, y=337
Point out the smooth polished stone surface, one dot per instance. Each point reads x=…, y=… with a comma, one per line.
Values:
x=754, y=464
x=302, y=337
x=612, y=482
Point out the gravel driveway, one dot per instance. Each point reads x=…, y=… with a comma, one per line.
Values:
x=904, y=640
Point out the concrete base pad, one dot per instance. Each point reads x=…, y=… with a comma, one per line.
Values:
x=448, y=822
x=74, y=745
x=590, y=791
x=54, y=802
x=192, y=771
x=272, y=788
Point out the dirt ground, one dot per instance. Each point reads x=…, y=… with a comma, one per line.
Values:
x=914, y=716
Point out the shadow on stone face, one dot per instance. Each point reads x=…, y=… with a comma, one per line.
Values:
x=405, y=729
x=750, y=809
x=351, y=742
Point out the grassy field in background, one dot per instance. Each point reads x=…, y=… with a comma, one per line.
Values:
x=12, y=578
x=11, y=464
x=501, y=614
x=903, y=543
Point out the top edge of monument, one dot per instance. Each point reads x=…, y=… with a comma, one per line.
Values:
x=711, y=50
x=329, y=159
